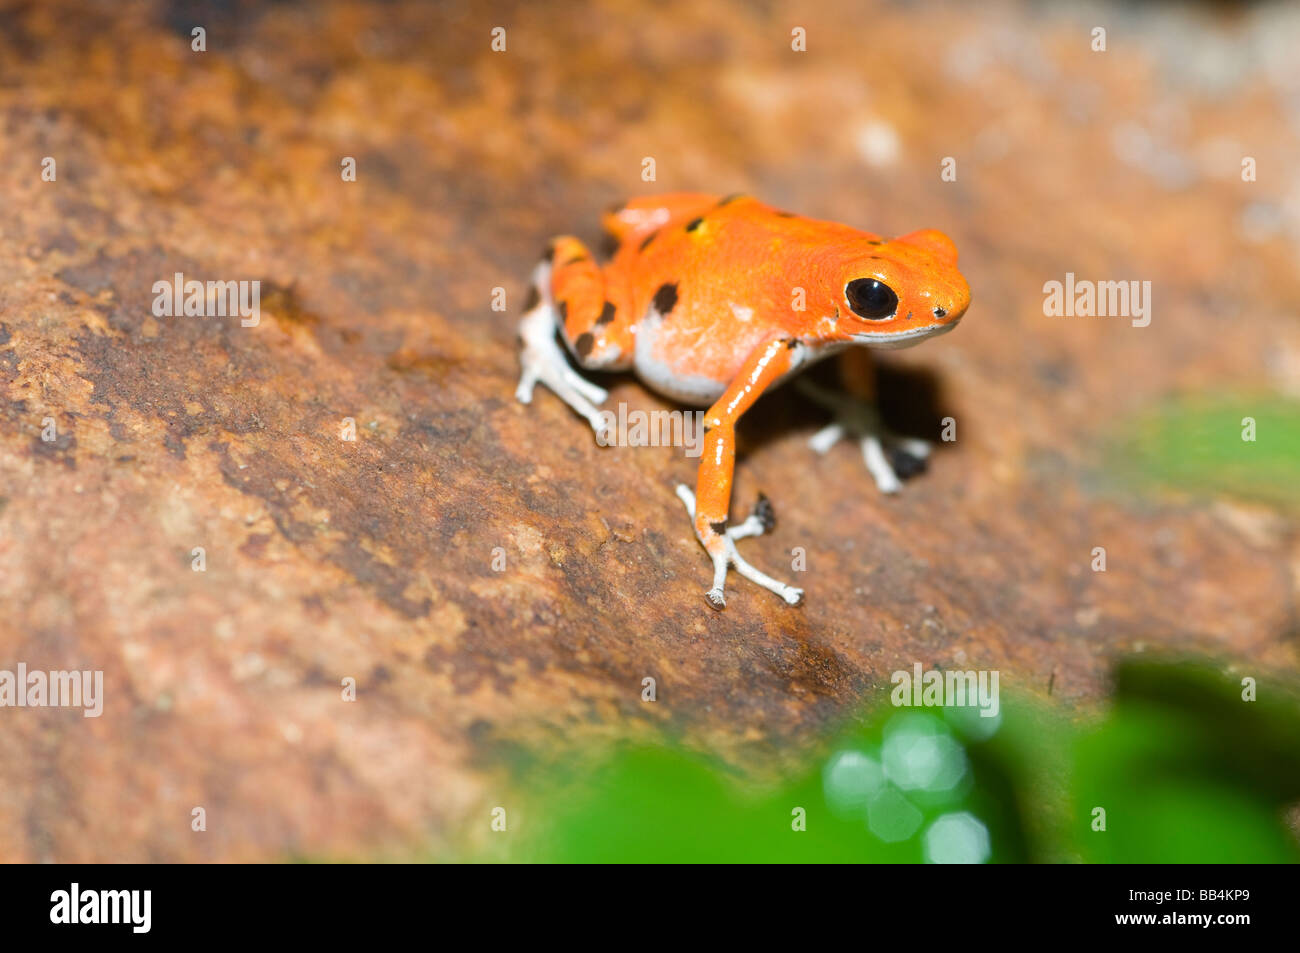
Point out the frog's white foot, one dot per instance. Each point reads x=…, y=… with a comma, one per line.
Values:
x=543, y=360
x=760, y=521
x=889, y=457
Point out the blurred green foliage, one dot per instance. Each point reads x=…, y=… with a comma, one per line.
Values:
x=1196, y=444
x=1189, y=771
x=1184, y=768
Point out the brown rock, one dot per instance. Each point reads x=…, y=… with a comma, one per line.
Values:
x=372, y=559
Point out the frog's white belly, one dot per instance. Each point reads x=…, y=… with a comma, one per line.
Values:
x=697, y=390
x=700, y=390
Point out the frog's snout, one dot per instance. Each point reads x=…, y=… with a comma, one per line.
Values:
x=950, y=314
x=951, y=306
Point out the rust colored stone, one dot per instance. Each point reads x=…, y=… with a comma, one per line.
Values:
x=373, y=559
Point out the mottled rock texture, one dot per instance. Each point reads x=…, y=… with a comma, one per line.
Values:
x=328, y=559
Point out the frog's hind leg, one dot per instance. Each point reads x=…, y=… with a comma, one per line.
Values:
x=570, y=299
x=542, y=359
x=594, y=321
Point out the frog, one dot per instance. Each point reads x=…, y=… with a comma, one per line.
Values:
x=713, y=301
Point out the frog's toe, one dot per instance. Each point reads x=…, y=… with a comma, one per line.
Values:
x=792, y=595
x=731, y=558
x=827, y=437
x=524, y=390
x=915, y=446
x=593, y=392
x=905, y=462
x=762, y=519
x=878, y=465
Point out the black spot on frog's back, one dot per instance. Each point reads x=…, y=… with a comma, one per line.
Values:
x=666, y=298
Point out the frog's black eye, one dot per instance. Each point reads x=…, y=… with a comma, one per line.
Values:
x=871, y=299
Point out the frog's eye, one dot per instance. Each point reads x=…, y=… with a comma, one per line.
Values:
x=871, y=299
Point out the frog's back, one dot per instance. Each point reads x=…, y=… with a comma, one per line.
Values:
x=719, y=251
x=708, y=279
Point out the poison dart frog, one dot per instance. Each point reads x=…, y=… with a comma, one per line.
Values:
x=713, y=301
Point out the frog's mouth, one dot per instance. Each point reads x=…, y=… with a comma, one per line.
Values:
x=890, y=340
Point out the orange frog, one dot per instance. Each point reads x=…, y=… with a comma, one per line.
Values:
x=712, y=301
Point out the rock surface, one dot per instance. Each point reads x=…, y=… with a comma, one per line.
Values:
x=373, y=559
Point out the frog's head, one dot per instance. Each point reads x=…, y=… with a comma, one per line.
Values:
x=899, y=292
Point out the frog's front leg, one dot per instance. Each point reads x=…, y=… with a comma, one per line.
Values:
x=890, y=457
x=710, y=504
